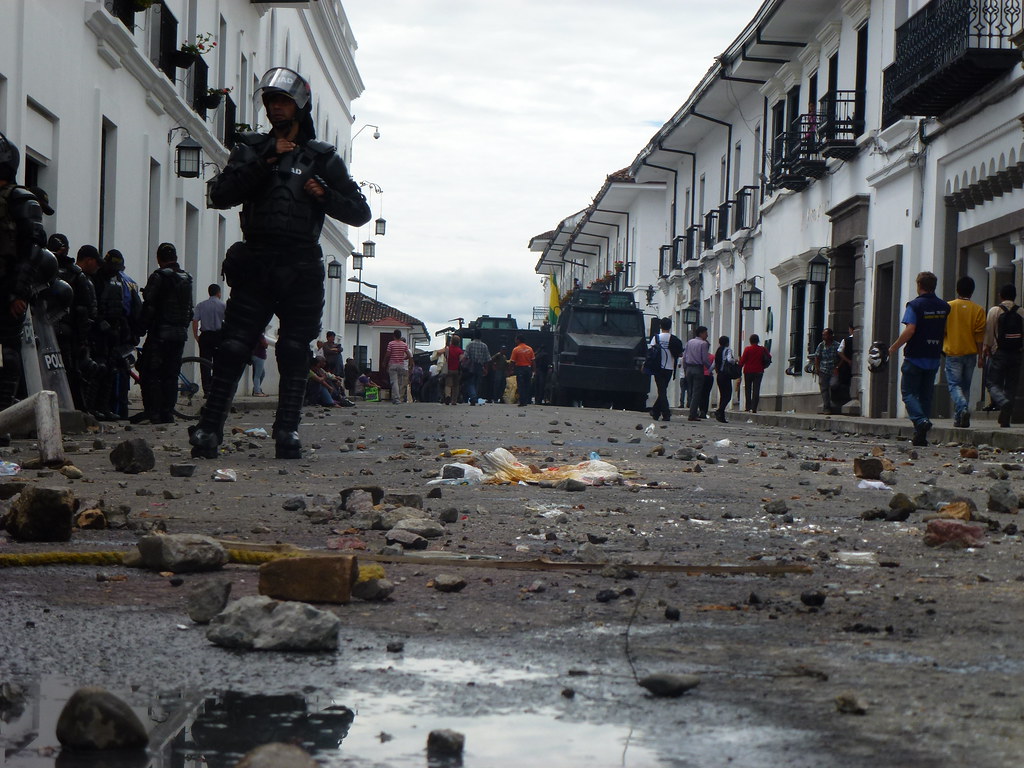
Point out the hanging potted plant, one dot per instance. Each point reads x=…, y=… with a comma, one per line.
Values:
x=214, y=96
x=186, y=56
x=619, y=266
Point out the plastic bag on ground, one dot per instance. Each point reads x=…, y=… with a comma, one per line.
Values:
x=470, y=475
x=501, y=466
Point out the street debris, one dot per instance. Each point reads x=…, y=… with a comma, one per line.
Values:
x=668, y=685
x=445, y=744
x=95, y=719
x=311, y=579
x=261, y=623
x=953, y=534
x=207, y=599
x=133, y=456
x=848, y=703
x=225, y=476
x=277, y=755
x=447, y=582
x=181, y=553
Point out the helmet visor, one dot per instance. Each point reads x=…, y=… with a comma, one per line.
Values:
x=282, y=80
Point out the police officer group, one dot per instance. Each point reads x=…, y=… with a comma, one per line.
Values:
x=285, y=181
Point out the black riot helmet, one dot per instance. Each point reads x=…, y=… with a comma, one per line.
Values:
x=286, y=81
x=10, y=159
x=295, y=87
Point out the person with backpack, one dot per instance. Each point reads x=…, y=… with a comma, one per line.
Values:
x=726, y=369
x=670, y=348
x=753, y=360
x=924, y=324
x=1004, y=342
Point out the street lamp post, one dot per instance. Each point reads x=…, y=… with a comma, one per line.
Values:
x=359, y=305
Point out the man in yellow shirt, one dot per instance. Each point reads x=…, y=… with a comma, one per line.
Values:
x=963, y=346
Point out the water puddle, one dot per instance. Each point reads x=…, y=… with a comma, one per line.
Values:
x=350, y=728
x=457, y=671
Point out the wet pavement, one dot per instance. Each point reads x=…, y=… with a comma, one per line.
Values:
x=534, y=667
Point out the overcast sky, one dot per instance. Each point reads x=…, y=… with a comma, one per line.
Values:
x=498, y=120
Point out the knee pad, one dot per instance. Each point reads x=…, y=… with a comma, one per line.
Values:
x=234, y=351
x=292, y=354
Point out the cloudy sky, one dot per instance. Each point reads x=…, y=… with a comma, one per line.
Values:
x=499, y=119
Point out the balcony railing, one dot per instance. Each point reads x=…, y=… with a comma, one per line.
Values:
x=694, y=238
x=946, y=53
x=744, y=206
x=678, y=251
x=839, y=124
x=796, y=154
x=664, y=260
x=710, y=229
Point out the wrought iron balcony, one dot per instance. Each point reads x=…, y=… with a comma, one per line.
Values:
x=710, y=229
x=679, y=249
x=724, y=220
x=664, y=260
x=744, y=206
x=839, y=125
x=796, y=156
x=694, y=238
x=946, y=53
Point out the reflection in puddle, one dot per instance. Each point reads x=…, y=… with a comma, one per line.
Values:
x=190, y=731
x=454, y=670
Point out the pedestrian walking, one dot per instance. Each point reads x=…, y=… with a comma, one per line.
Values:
x=259, y=365
x=669, y=348
x=523, y=360
x=286, y=182
x=964, y=347
x=453, y=372
x=166, y=314
x=499, y=373
x=924, y=328
x=845, y=365
x=752, y=364
x=726, y=369
x=207, y=329
x=477, y=355
x=695, y=360
x=398, y=359
x=1004, y=340
x=826, y=359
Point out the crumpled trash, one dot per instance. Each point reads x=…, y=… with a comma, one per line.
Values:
x=501, y=466
x=9, y=468
x=459, y=474
x=876, y=485
x=225, y=476
x=257, y=432
x=725, y=442
x=650, y=429
x=857, y=558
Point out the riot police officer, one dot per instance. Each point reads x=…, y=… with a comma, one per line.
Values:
x=286, y=182
x=73, y=328
x=117, y=311
x=166, y=314
x=21, y=239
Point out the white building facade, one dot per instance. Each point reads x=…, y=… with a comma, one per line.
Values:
x=833, y=151
x=98, y=98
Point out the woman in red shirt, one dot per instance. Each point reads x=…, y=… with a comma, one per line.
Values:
x=752, y=363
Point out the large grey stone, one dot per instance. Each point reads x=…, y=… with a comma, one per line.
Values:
x=133, y=456
x=386, y=519
x=277, y=755
x=1002, y=498
x=181, y=553
x=207, y=600
x=428, y=529
x=95, y=719
x=262, y=624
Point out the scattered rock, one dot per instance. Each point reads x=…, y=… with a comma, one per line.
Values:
x=313, y=579
x=91, y=519
x=449, y=515
x=1002, y=498
x=776, y=507
x=814, y=599
x=181, y=553
x=428, y=529
x=448, y=582
x=445, y=743
x=263, y=624
x=902, y=502
x=373, y=590
x=395, y=646
x=95, y=719
x=851, y=704
x=571, y=485
x=868, y=469
x=407, y=539
x=72, y=472
x=182, y=470
x=810, y=466
x=414, y=500
x=294, y=504
x=385, y=520
x=207, y=600
x=668, y=685
x=133, y=456
x=953, y=534
x=41, y=514
x=375, y=491
x=672, y=613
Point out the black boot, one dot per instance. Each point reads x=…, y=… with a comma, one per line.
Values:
x=204, y=442
x=291, y=393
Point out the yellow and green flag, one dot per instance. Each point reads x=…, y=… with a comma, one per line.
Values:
x=554, y=301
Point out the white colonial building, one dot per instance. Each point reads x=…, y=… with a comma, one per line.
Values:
x=99, y=96
x=834, y=150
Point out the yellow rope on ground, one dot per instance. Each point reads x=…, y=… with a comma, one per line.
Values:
x=61, y=558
